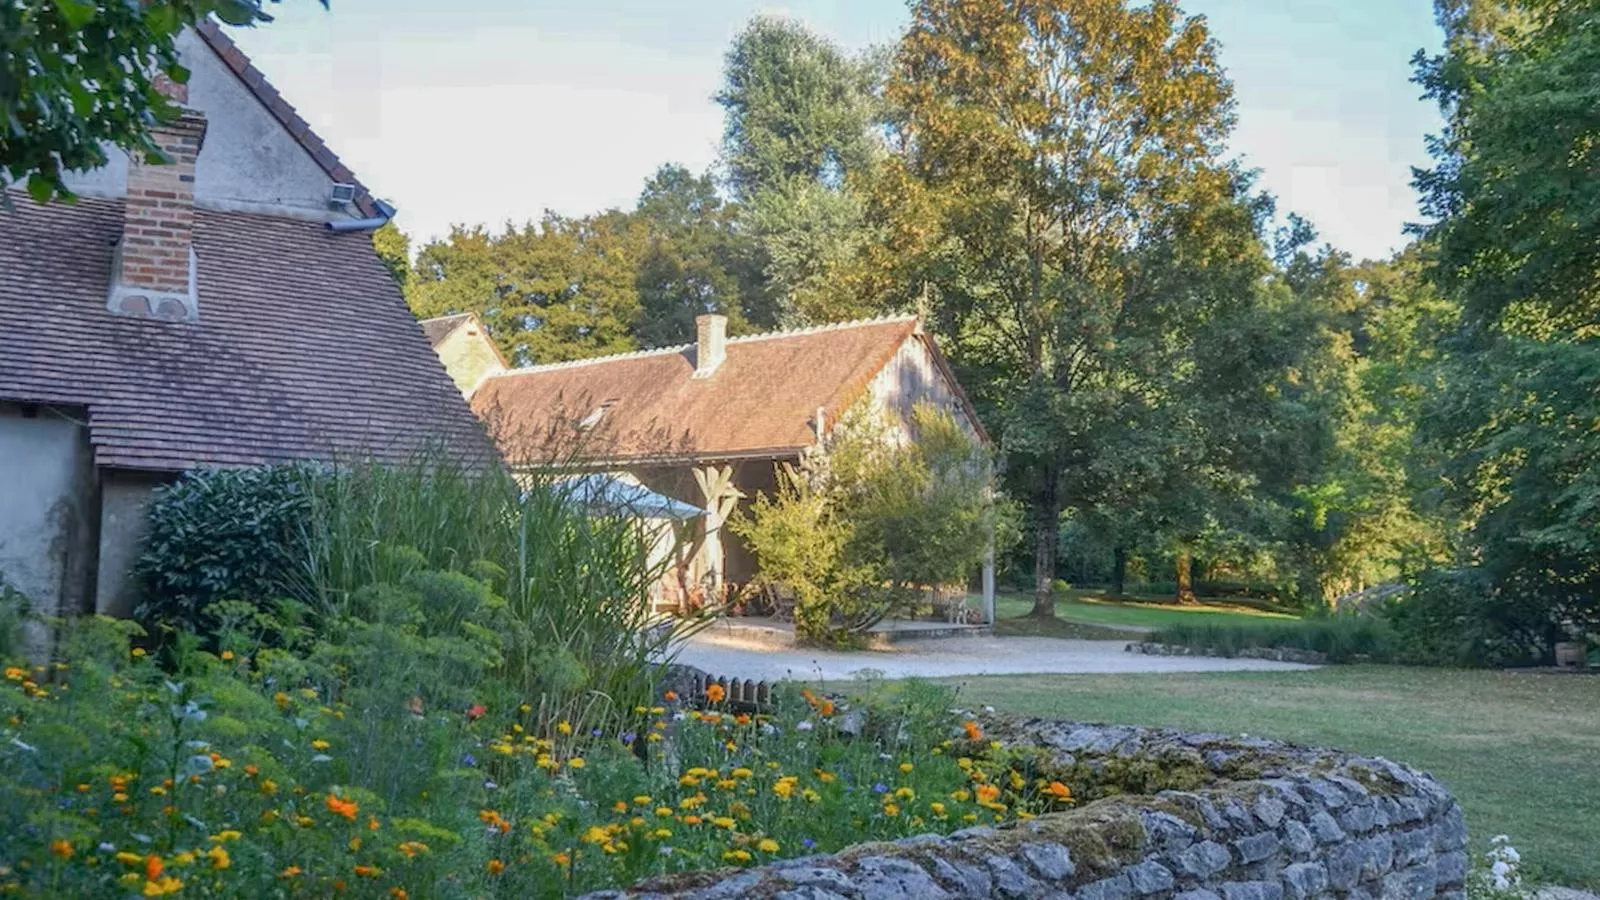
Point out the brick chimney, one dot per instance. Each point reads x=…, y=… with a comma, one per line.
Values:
x=153, y=271
x=711, y=344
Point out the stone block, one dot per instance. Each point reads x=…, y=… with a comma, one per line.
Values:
x=1150, y=877
x=967, y=879
x=816, y=876
x=1257, y=847
x=806, y=893
x=1357, y=819
x=890, y=878
x=1009, y=878
x=1318, y=790
x=1416, y=883
x=1325, y=829
x=1270, y=810
x=1303, y=881
x=1298, y=838
x=1166, y=833
x=1051, y=862
x=1451, y=868
x=1198, y=894
x=1344, y=867
x=1203, y=860
x=1451, y=831
x=1377, y=855
x=1252, y=890
x=1412, y=846
x=1117, y=887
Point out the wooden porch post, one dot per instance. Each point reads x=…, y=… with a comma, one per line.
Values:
x=720, y=497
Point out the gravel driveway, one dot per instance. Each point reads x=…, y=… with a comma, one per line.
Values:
x=951, y=657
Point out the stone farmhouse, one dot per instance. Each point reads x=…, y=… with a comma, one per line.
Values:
x=706, y=424
x=224, y=309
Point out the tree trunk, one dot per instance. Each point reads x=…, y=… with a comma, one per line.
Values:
x=1047, y=531
x=1185, y=577
x=1119, y=571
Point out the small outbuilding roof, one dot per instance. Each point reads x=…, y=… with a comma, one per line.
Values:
x=762, y=401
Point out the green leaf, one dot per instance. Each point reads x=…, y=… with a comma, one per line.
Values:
x=40, y=187
x=78, y=13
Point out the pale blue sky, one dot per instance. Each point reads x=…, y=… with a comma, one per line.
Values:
x=467, y=111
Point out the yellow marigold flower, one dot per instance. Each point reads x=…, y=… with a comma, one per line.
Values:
x=138, y=651
x=595, y=835
x=661, y=834
x=742, y=773
x=282, y=700
x=129, y=859
x=268, y=786
x=664, y=812
x=576, y=762
x=226, y=835
x=291, y=872
x=354, y=844
x=960, y=796
x=219, y=857
x=938, y=808
x=227, y=655
x=891, y=810
x=319, y=744
x=825, y=777
x=641, y=800
x=906, y=767
x=564, y=727
x=1017, y=781
x=166, y=885
x=413, y=848
x=183, y=858
x=736, y=855
x=16, y=673
x=723, y=822
x=495, y=867
x=767, y=845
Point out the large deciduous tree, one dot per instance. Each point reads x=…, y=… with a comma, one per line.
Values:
x=1517, y=239
x=798, y=138
x=1072, y=148
x=76, y=75
x=694, y=262
x=558, y=290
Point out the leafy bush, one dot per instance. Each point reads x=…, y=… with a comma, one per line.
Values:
x=1340, y=638
x=857, y=529
x=309, y=768
x=1460, y=618
x=14, y=611
x=219, y=534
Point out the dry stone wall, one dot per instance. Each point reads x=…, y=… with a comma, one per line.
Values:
x=1256, y=820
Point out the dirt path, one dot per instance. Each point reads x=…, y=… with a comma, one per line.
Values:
x=950, y=657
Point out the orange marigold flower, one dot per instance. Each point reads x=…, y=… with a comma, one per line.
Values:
x=671, y=696
x=338, y=807
x=61, y=848
x=368, y=871
x=153, y=867
x=561, y=859
x=987, y=793
x=496, y=867
x=1059, y=791
x=716, y=693
x=398, y=893
x=974, y=731
x=825, y=708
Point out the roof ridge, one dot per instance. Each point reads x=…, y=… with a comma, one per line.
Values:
x=679, y=348
x=826, y=326
x=589, y=360
x=256, y=83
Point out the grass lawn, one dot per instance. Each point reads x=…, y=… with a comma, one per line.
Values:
x=1090, y=608
x=1520, y=751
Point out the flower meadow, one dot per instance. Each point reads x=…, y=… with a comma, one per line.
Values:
x=255, y=772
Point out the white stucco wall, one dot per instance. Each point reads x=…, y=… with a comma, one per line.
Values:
x=248, y=163
x=46, y=493
x=124, y=504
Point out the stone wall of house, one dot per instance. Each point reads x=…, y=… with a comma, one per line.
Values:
x=1244, y=819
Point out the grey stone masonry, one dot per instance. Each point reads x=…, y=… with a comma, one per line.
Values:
x=1268, y=821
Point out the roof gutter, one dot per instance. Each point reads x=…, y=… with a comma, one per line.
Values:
x=385, y=213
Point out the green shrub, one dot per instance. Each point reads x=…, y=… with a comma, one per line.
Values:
x=216, y=535
x=854, y=533
x=1459, y=618
x=14, y=611
x=1340, y=638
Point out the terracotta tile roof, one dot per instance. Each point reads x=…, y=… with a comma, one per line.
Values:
x=257, y=83
x=304, y=347
x=761, y=402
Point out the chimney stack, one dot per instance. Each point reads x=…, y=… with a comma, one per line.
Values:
x=153, y=271
x=711, y=344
